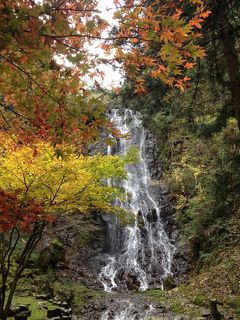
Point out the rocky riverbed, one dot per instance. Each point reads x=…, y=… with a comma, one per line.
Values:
x=120, y=306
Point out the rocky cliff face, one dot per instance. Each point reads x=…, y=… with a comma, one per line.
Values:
x=78, y=244
x=82, y=239
x=180, y=264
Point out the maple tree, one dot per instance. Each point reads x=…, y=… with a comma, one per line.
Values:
x=39, y=97
x=160, y=39
x=16, y=218
x=43, y=99
x=34, y=184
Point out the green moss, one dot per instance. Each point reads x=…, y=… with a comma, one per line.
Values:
x=169, y=283
x=156, y=295
x=37, y=311
x=200, y=300
x=76, y=295
x=238, y=312
x=233, y=302
x=177, y=307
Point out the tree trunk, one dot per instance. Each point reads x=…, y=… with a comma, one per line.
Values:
x=34, y=238
x=231, y=57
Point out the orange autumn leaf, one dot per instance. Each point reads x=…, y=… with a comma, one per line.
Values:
x=189, y=65
x=196, y=22
x=205, y=14
x=166, y=35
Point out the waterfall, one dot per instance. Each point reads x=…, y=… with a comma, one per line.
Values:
x=144, y=251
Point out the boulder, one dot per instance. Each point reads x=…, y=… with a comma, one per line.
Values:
x=43, y=296
x=215, y=314
x=169, y=283
x=23, y=308
x=206, y=313
x=52, y=313
x=64, y=304
x=21, y=316
x=51, y=256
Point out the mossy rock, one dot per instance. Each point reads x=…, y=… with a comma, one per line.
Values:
x=169, y=283
x=51, y=256
x=75, y=295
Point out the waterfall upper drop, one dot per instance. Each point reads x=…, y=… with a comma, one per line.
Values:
x=141, y=254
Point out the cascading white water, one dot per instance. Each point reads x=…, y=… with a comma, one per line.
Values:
x=146, y=249
x=129, y=311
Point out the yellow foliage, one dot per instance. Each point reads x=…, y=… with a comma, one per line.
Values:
x=60, y=180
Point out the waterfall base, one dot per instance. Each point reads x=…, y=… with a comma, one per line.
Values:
x=123, y=306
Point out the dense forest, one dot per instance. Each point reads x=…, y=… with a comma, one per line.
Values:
x=72, y=151
x=198, y=136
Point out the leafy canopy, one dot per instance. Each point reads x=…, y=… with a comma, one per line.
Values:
x=159, y=39
x=60, y=182
x=41, y=99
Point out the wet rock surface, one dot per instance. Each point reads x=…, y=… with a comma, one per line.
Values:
x=82, y=242
x=135, y=306
x=121, y=306
x=161, y=192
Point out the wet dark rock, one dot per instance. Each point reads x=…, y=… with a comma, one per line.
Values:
x=23, y=308
x=56, y=312
x=64, y=304
x=67, y=312
x=169, y=283
x=42, y=296
x=143, y=232
x=152, y=216
x=82, y=247
x=134, y=304
x=131, y=281
x=51, y=256
x=215, y=314
x=21, y=316
x=14, y=311
x=206, y=313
